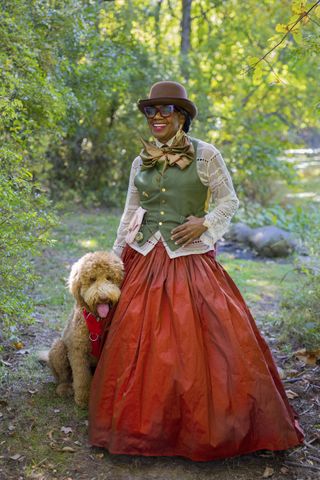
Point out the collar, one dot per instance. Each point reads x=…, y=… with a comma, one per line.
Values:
x=169, y=142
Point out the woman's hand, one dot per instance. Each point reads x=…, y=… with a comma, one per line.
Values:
x=189, y=231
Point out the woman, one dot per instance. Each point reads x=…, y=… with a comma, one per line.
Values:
x=184, y=370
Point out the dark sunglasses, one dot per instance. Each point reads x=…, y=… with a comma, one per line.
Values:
x=165, y=110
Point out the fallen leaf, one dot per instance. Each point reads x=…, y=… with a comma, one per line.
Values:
x=24, y=351
x=268, y=472
x=50, y=434
x=315, y=437
x=7, y=364
x=265, y=454
x=291, y=394
x=17, y=345
x=67, y=449
x=16, y=456
x=32, y=392
x=66, y=430
x=309, y=357
x=284, y=470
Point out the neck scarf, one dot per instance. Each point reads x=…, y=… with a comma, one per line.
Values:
x=180, y=152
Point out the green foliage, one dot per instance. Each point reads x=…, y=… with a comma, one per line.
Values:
x=102, y=56
x=29, y=108
x=302, y=220
x=300, y=314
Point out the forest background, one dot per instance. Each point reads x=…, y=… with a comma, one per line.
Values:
x=71, y=74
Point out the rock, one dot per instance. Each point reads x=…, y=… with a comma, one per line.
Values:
x=272, y=241
x=238, y=232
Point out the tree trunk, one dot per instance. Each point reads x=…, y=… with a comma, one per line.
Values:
x=185, y=37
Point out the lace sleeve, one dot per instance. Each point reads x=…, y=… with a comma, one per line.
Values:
x=131, y=205
x=214, y=174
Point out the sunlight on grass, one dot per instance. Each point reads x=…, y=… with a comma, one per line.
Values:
x=92, y=244
x=302, y=195
x=256, y=280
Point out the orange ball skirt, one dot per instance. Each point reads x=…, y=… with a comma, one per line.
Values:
x=184, y=370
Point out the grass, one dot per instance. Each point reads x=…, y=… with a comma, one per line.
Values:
x=257, y=280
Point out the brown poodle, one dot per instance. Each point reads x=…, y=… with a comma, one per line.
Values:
x=94, y=282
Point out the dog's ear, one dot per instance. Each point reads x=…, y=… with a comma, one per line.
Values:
x=74, y=282
x=118, y=269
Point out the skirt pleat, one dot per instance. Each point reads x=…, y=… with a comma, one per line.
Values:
x=184, y=370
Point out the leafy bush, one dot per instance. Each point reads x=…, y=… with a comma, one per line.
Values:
x=25, y=225
x=303, y=221
x=30, y=106
x=300, y=314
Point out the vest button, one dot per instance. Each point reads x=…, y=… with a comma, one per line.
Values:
x=162, y=212
x=160, y=223
x=139, y=237
x=163, y=189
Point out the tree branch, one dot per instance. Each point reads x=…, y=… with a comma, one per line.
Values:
x=304, y=14
x=273, y=71
x=203, y=14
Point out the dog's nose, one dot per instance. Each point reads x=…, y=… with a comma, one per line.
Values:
x=106, y=300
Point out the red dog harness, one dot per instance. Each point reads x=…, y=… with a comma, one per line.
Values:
x=95, y=326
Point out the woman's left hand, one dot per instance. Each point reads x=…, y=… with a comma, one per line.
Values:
x=189, y=231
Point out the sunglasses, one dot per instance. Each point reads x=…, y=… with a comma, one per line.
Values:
x=164, y=110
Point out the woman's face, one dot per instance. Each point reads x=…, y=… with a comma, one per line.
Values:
x=164, y=128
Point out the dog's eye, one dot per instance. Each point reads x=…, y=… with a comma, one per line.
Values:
x=92, y=279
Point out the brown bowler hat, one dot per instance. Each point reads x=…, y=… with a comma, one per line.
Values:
x=165, y=93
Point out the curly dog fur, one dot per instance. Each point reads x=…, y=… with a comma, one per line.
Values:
x=94, y=279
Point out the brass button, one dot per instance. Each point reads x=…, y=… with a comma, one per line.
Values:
x=139, y=237
x=163, y=201
x=160, y=223
x=162, y=212
x=163, y=189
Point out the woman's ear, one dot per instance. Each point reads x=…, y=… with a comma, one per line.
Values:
x=182, y=119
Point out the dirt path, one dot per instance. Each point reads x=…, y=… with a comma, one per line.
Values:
x=45, y=438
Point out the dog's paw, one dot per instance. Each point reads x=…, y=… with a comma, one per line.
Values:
x=82, y=398
x=64, y=390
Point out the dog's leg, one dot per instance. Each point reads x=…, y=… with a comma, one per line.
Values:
x=60, y=366
x=81, y=374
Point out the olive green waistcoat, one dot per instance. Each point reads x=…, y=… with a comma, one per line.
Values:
x=169, y=198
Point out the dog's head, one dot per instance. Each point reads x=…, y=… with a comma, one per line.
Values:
x=94, y=281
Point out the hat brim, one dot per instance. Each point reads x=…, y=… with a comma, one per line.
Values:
x=184, y=103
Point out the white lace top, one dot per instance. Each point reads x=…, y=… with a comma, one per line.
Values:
x=213, y=173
